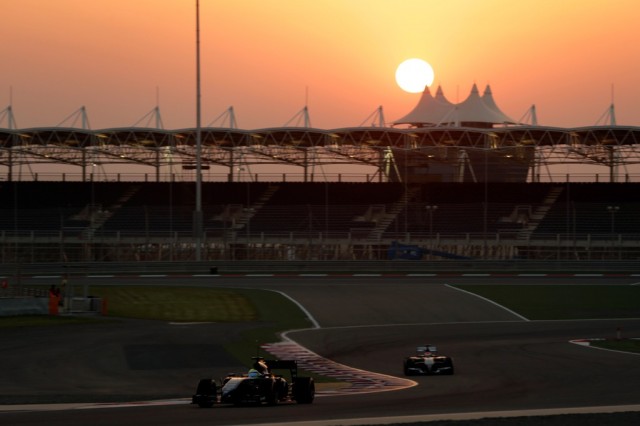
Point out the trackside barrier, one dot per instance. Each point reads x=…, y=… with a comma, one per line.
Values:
x=308, y=267
x=24, y=306
x=21, y=305
x=86, y=305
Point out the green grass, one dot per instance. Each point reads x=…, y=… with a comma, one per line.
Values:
x=562, y=302
x=268, y=310
x=557, y=302
x=276, y=314
x=626, y=345
x=177, y=304
x=271, y=312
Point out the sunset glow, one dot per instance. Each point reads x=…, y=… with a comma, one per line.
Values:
x=268, y=59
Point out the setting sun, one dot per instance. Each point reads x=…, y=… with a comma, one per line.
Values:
x=413, y=75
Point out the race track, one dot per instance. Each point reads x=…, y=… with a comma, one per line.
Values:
x=503, y=361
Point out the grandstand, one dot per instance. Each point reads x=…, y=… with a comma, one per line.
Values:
x=118, y=221
x=459, y=180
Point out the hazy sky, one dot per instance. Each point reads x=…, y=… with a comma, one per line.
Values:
x=267, y=57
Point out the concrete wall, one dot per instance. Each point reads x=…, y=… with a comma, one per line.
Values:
x=24, y=306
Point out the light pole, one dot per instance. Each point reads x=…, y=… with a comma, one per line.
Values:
x=485, y=206
x=197, y=214
x=431, y=209
x=613, y=210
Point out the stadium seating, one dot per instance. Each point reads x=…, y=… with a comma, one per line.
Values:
x=377, y=210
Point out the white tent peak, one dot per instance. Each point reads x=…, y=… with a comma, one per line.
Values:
x=428, y=110
x=487, y=97
x=474, y=111
x=440, y=96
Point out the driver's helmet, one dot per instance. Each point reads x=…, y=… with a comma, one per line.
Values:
x=253, y=373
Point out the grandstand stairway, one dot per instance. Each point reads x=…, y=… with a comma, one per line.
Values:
x=540, y=212
x=384, y=220
x=243, y=216
x=99, y=217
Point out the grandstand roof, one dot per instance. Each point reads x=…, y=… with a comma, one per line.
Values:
x=429, y=110
x=474, y=111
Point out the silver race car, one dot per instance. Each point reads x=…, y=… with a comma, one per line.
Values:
x=427, y=362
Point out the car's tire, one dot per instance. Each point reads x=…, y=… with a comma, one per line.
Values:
x=304, y=390
x=206, y=393
x=272, y=394
x=405, y=368
x=450, y=364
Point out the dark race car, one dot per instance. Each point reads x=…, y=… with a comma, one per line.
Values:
x=427, y=362
x=259, y=386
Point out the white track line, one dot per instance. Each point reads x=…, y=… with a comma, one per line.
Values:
x=489, y=301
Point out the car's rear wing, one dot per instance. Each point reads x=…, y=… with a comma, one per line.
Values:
x=427, y=348
x=279, y=364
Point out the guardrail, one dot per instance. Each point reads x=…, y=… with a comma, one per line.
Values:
x=320, y=267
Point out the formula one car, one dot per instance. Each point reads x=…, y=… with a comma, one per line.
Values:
x=259, y=386
x=427, y=362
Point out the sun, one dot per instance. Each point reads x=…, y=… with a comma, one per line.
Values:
x=413, y=75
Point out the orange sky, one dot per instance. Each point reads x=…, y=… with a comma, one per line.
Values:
x=263, y=57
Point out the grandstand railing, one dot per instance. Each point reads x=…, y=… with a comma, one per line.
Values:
x=21, y=236
x=59, y=246
x=559, y=177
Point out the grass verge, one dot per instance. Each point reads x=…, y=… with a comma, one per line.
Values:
x=557, y=302
x=276, y=314
x=625, y=345
x=177, y=304
x=271, y=312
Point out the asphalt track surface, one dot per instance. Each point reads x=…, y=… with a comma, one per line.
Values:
x=503, y=362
